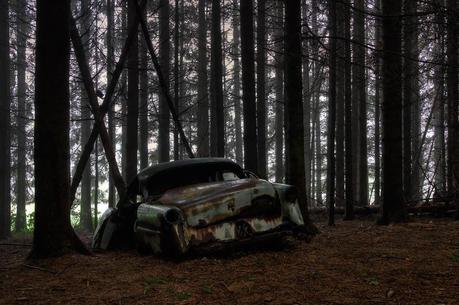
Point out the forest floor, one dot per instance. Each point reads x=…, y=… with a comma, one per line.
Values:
x=352, y=263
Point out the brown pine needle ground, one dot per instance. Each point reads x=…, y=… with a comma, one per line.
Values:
x=352, y=263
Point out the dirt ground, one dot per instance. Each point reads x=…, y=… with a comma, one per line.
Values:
x=352, y=263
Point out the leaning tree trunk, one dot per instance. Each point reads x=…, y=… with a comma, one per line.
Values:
x=5, y=168
x=53, y=234
x=393, y=209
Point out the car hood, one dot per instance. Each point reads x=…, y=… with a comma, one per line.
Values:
x=194, y=194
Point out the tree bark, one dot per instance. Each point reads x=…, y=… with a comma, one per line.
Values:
x=5, y=139
x=393, y=209
x=143, y=106
x=53, y=233
x=377, y=179
x=217, y=128
x=248, y=86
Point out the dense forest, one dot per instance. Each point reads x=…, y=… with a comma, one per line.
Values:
x=353, y=102
x=266, y=151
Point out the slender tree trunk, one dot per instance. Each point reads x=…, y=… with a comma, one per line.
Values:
x=203, y=100
x=21, y=36
x=306, y=101
x=248, y=86
x=331, y=114
x=360, y=106
x=340, y=79
x=393, y=209
x=143, y=106
x=123, y=85
x=85, y=117
x=217, y=130
x=318, y=144
x=237, y=84
x=293, y=91
x=53, y=233
x=5, y=139
x=279, y=91
x=261, y=88
x=110, y=62
x=348, y=118
x=377, y=181
x=453, y=97
x=409, y=32
x=133, y=100
x=176, y=74
x=96, y=183
x=439, y=109
x=164, y=61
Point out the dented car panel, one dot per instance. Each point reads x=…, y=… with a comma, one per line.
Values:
x=190, y=205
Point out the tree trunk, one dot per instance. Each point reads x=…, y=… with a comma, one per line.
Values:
x=5, y=140
x=217, y=129
x=294, y=106
x=279, y=92
x=237, y=85
x=439, y=109
x=360, y=106
x=203, y=97
x=348, y=118
x=53, y=234
x=261, y=88
x=453, y=97
x=331, y=114
x=21, y=36
x=133, y=100
x=393, y=209
x=377, y=181
x=176, y=74
x=143, y=105
x=164, y=61
x=110, y=61
x=85, y=117
x=306, y=101
x=340, y=79
x=248, y=86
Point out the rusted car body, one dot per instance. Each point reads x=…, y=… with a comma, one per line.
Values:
x=200, y=203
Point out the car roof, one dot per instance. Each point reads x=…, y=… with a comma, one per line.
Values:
x=166, y=166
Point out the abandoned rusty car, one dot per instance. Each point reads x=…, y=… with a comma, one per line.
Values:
x=177, y=207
